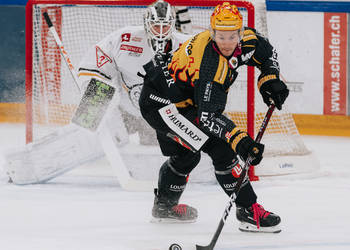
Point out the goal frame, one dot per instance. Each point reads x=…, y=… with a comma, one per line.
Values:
x=250, y=102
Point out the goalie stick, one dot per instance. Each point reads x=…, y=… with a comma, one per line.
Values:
x=238, y=185
x=62, y=49
x=126, y=181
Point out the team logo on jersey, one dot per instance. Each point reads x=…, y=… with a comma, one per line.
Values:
x=233, y=62
x=101, y=58
x=126, y=37
x=131, y=48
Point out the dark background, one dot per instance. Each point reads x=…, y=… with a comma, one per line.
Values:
x=12, y=52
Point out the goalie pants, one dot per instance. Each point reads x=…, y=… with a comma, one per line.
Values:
x=174, y=172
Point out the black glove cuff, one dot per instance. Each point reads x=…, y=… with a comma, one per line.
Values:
x=266, y=80
x=236, y=139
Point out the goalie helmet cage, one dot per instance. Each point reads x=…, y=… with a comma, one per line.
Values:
x=51, y=96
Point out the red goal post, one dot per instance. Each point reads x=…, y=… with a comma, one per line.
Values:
x=50, y=100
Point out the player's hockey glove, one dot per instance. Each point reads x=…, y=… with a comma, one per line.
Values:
x=273, y=89
x=244, y=146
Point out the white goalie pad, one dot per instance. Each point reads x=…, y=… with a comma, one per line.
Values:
x=52, y=155
x=64, y=149
x=72, y=146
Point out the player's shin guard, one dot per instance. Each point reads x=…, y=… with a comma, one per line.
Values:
x=228, y=179
x=171, y=185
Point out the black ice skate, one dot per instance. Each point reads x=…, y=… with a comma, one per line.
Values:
x=167, y=212
x=257, y=219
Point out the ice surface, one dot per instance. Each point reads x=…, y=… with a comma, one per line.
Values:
x=87, y=210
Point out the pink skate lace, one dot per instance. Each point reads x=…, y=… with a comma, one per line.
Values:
x=259, y=212
x=180, y=209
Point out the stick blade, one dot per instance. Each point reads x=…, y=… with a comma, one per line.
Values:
x=209, y=247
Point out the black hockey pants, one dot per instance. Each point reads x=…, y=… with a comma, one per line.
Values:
x=182, y=161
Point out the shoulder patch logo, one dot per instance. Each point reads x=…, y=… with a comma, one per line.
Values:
x=126, y=37
x=233, y=62
x=101, y=58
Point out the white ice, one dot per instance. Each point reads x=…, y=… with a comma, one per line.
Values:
x=87, y=210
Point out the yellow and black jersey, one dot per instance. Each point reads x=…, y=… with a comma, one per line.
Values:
x=198, y=60
x=199, y=76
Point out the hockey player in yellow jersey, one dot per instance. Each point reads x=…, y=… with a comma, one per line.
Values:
x=197, y=79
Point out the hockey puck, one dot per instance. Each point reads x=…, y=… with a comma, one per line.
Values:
x=175, y=247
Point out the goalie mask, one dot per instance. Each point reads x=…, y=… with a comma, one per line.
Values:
x=159, y=21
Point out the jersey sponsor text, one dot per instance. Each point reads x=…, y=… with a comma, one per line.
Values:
x=131, y=48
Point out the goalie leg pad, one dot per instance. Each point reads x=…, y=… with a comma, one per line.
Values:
x=52, y=155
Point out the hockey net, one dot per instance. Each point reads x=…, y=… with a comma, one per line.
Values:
x=52, y=96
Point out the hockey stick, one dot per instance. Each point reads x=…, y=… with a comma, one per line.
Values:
x=62, y=50
x=112, y=153
x=238, y=185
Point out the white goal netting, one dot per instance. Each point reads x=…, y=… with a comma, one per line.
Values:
x=54, y=97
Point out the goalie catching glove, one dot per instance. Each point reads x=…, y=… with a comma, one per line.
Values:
x=272, y=88
x=245, y=146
